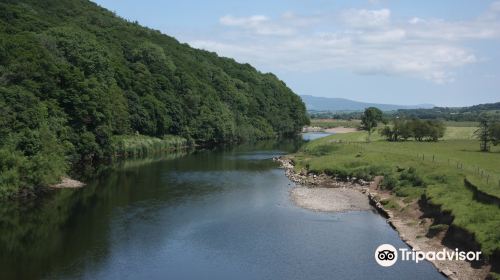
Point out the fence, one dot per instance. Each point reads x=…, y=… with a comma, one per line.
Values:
x=475, y=172
x=479, y=173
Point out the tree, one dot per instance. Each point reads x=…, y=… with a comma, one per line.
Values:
x=436, y=130
x=388, y=133
x=430, y=130
x=495, y=133
x=405, y=131
x=74, y=77
x=483, y=134
x=370, y=119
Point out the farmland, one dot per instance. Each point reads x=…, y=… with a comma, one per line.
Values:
x=412, y=169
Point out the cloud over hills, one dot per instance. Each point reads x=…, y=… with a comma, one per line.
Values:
x=364, y=41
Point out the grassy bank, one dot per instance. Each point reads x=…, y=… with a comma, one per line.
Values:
x=412, y=169
x=130, y=146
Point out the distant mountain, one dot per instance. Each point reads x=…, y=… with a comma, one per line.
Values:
x=314, y=103
x=470, y=113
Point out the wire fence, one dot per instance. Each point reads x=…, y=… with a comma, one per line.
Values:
x=485, y=177
x=477, y=174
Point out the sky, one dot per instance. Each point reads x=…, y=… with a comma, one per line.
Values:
x=445, y=53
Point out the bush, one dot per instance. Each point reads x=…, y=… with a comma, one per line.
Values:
x=389, y=182
x=410, y=177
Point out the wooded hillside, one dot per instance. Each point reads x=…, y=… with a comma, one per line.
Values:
x=73, y=76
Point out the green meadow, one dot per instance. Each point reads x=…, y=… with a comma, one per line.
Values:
x=411, y=169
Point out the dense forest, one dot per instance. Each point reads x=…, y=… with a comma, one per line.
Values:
x=74, y=78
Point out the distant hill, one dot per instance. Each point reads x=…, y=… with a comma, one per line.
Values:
x=314, y=103
x=470, y=113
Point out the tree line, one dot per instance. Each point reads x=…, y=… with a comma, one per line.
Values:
x=470, y=113
x=401, y=129
x=420, y=130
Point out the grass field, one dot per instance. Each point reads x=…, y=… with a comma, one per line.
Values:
x=437, y=169
x=461, y=124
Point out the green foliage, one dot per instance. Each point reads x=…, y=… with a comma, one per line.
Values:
x=411, y=178
x=128, y=146
x=494, y=276
x=488, y=132
x=430, y=130
x=83, y=76
x=370, y=119
x=390, y=203
x=495, y=133
x=389, y=182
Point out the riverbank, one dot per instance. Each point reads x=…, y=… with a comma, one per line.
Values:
x=330, y=199
x=335, y=130
x=68, y=183
x=404, y=216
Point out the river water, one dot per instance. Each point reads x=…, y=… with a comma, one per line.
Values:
x=220, y=214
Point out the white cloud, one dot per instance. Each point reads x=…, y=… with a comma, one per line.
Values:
x=366, y=18
x=259, y=24
x=364, y=41
x=454, y=31
x=415, y=20
x=244, y=21
x=384, y=36
x=495, y=7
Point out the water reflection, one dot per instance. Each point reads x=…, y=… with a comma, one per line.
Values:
x=221, y=213
x=315, y=135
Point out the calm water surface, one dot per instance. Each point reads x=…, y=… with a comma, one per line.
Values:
x=314, y=135
x=221, y=214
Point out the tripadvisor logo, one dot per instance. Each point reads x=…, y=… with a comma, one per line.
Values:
x=386, y=255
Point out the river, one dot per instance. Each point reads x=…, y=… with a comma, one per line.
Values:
x=218, y=214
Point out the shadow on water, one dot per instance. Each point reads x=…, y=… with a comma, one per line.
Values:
x=39, y=236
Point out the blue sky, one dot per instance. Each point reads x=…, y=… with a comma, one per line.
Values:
x=402, y=52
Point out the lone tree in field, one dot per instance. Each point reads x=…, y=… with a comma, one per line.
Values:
x=483, y=134
x=370, y=119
